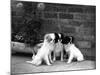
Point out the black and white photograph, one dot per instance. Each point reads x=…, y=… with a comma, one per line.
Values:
x=52, y=37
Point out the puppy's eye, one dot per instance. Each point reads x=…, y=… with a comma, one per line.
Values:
x=48, y=38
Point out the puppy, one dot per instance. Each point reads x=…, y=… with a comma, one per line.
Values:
x=44, y=53
x=58, y=51
x=72, y=50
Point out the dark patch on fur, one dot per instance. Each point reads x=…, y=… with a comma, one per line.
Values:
x=66, y=40
x=62, y=37
x=56, y=37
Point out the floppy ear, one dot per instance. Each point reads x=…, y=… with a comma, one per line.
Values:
x=71, y=39
x=56, y=37
x=66, y=40
x=62, y=36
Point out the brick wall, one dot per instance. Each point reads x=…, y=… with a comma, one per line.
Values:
x=75, y=20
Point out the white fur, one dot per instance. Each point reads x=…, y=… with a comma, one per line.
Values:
x=45, y=51
x=73, y=52
x=58, y=51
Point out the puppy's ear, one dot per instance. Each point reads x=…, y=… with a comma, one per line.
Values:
x=71, y=39
x=56, y=37
x=66, y=40
x=62, y=36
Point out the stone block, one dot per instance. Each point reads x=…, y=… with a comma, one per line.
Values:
x=50, y=15
x=65, y=16
x=75, y=9
x=91, y=9
x=80, y=16
x=84, y=44
x=68, y=29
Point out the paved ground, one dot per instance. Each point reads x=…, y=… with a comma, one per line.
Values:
x=19, y=65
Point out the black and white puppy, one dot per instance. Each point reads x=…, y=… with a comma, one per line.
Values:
x=72, y=50
x=58, y=51
x=44, y=53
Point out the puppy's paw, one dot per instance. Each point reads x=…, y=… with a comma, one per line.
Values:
x=49, y=64
x=62, y=60
x=68, y=62
x=51, y=61
x=80, y=59
x=54, y=60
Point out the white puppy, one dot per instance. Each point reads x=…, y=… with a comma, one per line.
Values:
x=44, y=53
x=73, y=51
